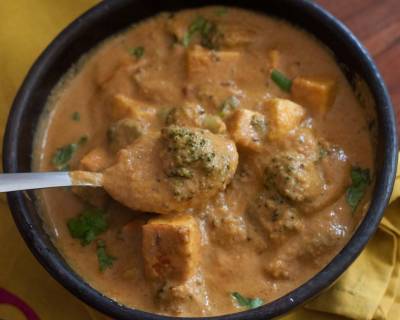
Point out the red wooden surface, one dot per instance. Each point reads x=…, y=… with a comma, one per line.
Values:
x=377, y=24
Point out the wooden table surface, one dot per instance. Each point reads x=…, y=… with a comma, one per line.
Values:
x=377, y=24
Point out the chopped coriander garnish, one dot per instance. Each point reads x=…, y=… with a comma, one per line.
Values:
x=360, y=179
x=322, y=152
x=82, y=140
x=63, y=155
x=205, y=28
x=138, y=52
x=105, y=259
x=228, y=106
x=281, y=80
x=76, y=116
x=221, y=11
x=248, y=303
x=88, y=225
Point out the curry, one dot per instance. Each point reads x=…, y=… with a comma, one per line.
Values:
x=236, y=161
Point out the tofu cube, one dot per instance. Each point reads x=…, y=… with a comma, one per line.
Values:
x=96, y=160
x=171, y=246
x=204, y=65
x=317, y=94
x=124, y=107
x=282, y=117
x=248, y=129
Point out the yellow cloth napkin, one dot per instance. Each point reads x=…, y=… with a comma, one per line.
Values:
x=368, y=290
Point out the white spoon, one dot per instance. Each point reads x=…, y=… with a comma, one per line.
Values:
x=38, y=180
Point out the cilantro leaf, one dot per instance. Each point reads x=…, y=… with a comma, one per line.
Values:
x=221, y=11
x=88, y=225
x=76, y=116
x=249, y=303
x=105, y=259
x=82, y=140
x=205, y=28
x=360, y=179
x=228, y=106
x=138, y=52
x=63, y=155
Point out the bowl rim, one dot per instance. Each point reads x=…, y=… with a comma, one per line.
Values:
x=72, y=281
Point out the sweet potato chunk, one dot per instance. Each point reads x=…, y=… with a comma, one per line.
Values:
x=205, y=65
x=318, y=94
x=171, y=246
x=96, y=160
x=248, y=128
x=282, y=117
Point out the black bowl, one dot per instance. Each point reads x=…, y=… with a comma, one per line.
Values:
x=112, y=16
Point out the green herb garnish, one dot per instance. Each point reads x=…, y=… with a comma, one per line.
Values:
x=82, y=140
x=138, y=52
x=88, y=225
x=221, y=11
x=205, y=28
x=248, y=303
x=228, y=106
x=281, y=80
x=322, y=152
x=360, y=179
x=63, y=155
x=76, y=116
x=105, y=259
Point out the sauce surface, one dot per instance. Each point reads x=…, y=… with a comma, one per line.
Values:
x=277, y=177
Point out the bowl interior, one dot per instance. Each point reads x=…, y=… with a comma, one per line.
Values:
x=112, y=16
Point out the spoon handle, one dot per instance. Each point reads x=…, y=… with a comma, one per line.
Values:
x=38, y=180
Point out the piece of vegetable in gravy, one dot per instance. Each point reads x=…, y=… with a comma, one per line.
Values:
x=282, y=116
x=138, y=52
x=317, y=93
x=175, y=169
x=249, y=303
x=235, y=157
x=221, y=11
x=63, y=155
x=104, y=258
x=76, y=116
x=171, y=247
x=206, y=29
x=360, y=179
x=88, y=225
x=248, y=129
x=280, y=79
x=228, y=106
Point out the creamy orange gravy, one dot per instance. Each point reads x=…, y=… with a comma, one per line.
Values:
x=254, y=240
